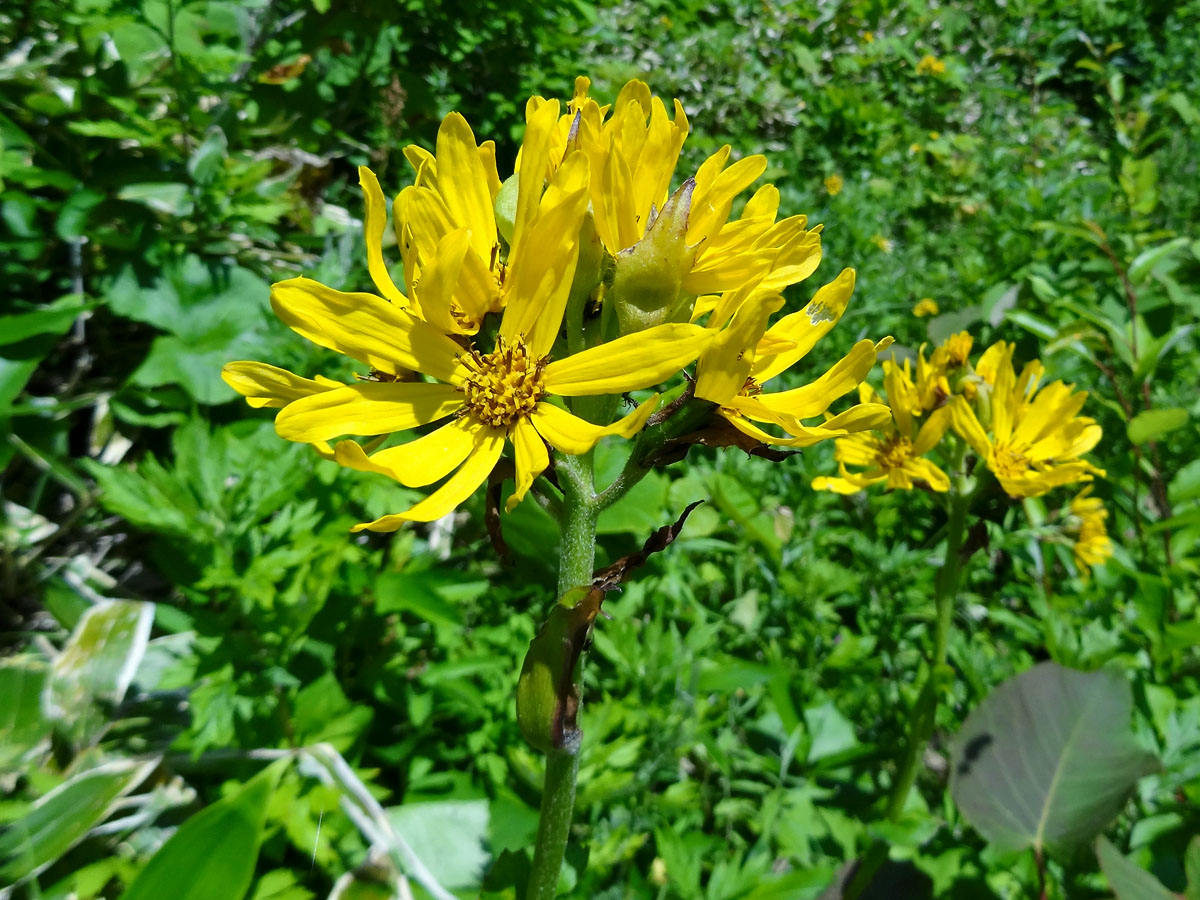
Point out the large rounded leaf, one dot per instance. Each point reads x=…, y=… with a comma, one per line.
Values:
x=1048, y=759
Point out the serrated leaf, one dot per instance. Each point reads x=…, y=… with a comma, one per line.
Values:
x=1154, y=423
x=1128, y=880
x=62, y=817
x=449, y=836
x=1048, y=758
x=213, y=854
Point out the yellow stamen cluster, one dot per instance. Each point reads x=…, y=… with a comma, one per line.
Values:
x=505, y=385
x=894, y=452
x=1009, y=462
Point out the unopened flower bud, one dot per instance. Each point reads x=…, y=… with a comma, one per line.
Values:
x=647, y=288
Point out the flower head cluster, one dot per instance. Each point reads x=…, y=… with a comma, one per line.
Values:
x=955, y=415
x=471, y=351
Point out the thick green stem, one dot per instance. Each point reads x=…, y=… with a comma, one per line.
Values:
x=924, y=715
x=579, y=512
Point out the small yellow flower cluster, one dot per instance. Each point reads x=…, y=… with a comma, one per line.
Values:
x=1030, y=437
x=582, y=275
x=926, y=306
x=930, y=65
x=834, y=185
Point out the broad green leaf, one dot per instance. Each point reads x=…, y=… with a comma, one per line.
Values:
x=97, y=664
x=1048, y=758
x=22, y=725
x=62, y=817
x=1154, y=423
x=213, y=854
x=1191, y=867
x=53, y=319
x=449, y=837
x=168, y=197
x=1128, y=880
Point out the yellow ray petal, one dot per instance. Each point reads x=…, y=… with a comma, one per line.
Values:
x=962, y=417
x=724, y=366
x=374, y=224
x=535, y=155
x=638, y=360
x=813, y=399
x=931, y=432
x=539, y=279
x=367, y=328
x=367, y=408
x=487, y=157
x=264, y=385
x=463, y=183
x=419, y=462
x=924, y=470
x=806, y=327
x=531, y=460
x=711, y=206
x=434, y=291
x=572, y=435
x=461, y=485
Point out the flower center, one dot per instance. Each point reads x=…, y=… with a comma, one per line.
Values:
x=1008, y=461
x=894, y=452
x=504, y=385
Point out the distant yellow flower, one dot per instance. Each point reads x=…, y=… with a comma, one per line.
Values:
x=834, y=184
x=733, y=371
x=489, y=396
x=884, y=244
x=934, y=135
x=1092, y=545
x=867, y=37
x=926, y=306
x=950, y=358
x=1035, y=438
x=895, y=454
x=930, y=65
x=914, y=148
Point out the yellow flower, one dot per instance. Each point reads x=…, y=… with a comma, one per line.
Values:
x=914, y=148
x=1036, y=436
x=633, y=154
x=834, y=184
x=926, y=306
x=895, y=454
x=882, y=243
x=1091, y=545
x=930, y=65
x=489, y=397
x=950, y=358
x=745, y=355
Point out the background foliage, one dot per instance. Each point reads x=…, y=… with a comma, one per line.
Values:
x=163, y=162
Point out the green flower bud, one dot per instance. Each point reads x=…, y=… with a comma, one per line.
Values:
x=647, y=288
x=506, y=206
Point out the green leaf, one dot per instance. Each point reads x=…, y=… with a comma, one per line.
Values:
x=1143, y=265
x=449, y=836
x=206, y=161
x=1128, y=880
x=1154, y=423
x=54, y=319
x=62, y=817
x=213, y=854
x=97, y=665
x=1048, y=758
x=168, y=197
x=22, y=725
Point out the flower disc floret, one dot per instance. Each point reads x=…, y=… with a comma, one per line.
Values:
x=894, y=452
x=504, y=385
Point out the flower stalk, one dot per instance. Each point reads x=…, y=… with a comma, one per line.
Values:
x=579, y=513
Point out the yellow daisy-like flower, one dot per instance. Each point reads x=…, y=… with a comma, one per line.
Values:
x=1092, y=545
x=1036, y=435
x=926, y=306
x=834, y=185
x=745, y=355
x=489, y=397
x=895, y=454
x=938, y=377
x=930, y=65
x=633, y=154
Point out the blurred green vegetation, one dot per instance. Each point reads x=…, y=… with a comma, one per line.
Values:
x=163, y=162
